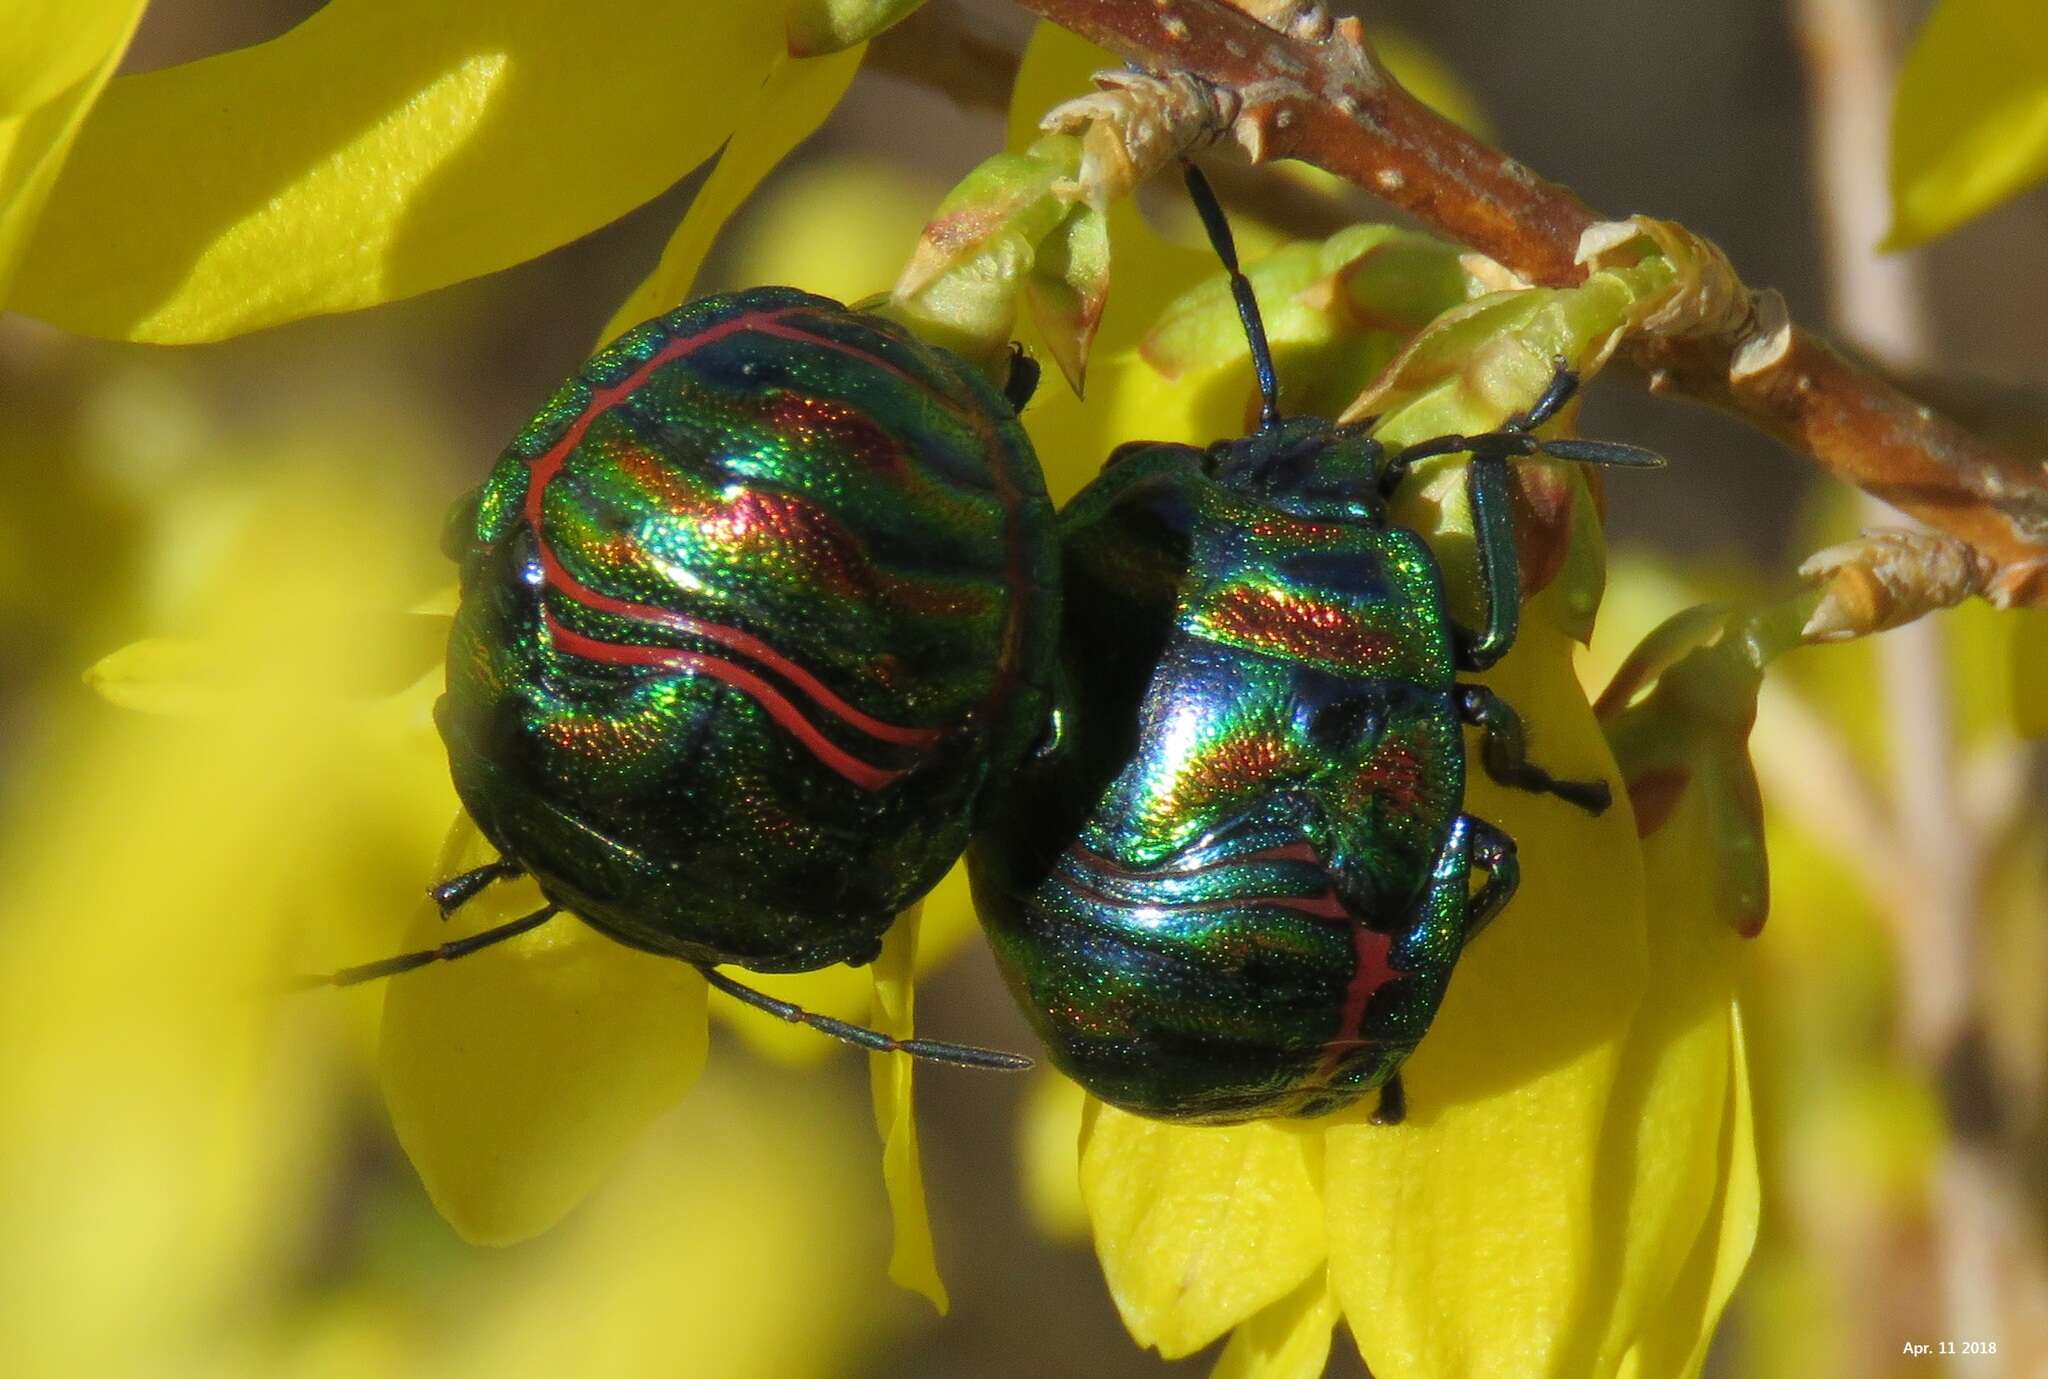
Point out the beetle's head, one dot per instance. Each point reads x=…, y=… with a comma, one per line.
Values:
x=1307, y=467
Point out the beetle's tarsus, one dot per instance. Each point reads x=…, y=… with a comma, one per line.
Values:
x=1393, y=1107
x=1504, y=752
x=1564, y=382
x=457, y=891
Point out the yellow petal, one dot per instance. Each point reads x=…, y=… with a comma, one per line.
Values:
x=1678, y=1117
x=374, y=152
x=725, y=1247
x=827, y=26
x=1970, y=125
x=1673, y=1344
x=1049, y=1139
x=166, y=675
x=797, y=96
x=1289, y=1340
x=52, y=47
x=913, y=1260
x=1475, y=1238
x=55, y=63
x=1198, y=1227
x=359, y=658
x=518, y=1076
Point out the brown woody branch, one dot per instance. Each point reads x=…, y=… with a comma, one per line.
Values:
x=1316, y=94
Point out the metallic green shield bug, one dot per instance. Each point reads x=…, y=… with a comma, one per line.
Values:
x=1241, y=886
x=754, y=612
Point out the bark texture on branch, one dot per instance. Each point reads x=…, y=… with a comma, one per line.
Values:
x=1310, y=89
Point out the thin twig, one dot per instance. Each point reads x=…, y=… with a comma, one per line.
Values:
x=1317, y=94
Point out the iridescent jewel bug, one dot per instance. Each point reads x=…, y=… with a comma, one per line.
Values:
x=1240, y=887
x=754, y=612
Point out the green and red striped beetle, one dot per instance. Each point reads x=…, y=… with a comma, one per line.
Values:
x=1240, y=888
x=754, y=612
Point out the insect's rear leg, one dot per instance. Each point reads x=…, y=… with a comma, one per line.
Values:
x=1504, y=751
x=1393, y=1107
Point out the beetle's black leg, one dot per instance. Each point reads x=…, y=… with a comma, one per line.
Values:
x=447, y=952
x=1022, y=380
x=1393, y=1107
x=457, y=891
x=1504, y=752
x=959, y=1055
x=1495, y=852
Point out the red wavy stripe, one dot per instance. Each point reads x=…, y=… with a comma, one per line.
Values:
x=1371, y=968
x=861, y=773
x=745, y=643
x=1324, y=906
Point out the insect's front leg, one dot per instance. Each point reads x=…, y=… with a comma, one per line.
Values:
x=1486, y=493
x=1500, y=570
x=1504, y=751
x=1493, y=538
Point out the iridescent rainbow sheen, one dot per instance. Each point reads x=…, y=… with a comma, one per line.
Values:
x=1241, y=887
x=753, y=610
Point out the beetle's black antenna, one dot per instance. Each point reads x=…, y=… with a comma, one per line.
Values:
x=932, y=1051
x=1214, y=221
x=447, y=952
